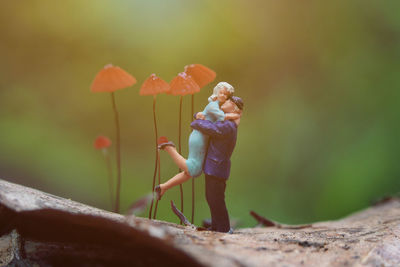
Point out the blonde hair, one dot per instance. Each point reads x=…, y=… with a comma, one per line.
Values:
x=220, y=86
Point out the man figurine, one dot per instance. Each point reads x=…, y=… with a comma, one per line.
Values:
x=217, y=163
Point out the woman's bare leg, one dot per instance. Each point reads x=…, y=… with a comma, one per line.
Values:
x=176, y=180
x=178, y=159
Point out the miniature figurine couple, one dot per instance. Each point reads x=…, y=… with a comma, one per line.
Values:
x=211, y=144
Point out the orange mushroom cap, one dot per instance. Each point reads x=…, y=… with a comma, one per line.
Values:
x=201, y=74
x=112, y=78
x=154, y=85
x=102, y=142
x=183, y=84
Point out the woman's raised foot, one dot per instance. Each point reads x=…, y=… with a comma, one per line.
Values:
x=159, y=192
x=163, y=142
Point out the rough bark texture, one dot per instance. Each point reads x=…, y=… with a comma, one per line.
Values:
x=39, y=228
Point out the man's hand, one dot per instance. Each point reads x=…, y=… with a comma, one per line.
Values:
x=232, y=116
x=200, y=116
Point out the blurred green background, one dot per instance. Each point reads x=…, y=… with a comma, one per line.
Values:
x=320, y=81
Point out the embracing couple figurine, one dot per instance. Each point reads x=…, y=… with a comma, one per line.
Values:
x=211, y=144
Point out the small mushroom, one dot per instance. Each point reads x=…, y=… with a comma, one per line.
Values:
x=154, y=86
x=110, y=79
x=103, y=143
x=181, y=85
x=200, y=74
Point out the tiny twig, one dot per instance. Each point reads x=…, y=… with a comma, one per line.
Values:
x=262, y=220
x=180, y=215
x=268, y=223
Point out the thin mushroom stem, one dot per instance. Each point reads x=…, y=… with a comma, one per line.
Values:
x=180, y=145
x=156, y=161
x=155, y=210
x=180, y=124
x=159, y=182
x=192, y=107
x=110, y=178
x=151, y=205
x=118, y=152
x=193, y=187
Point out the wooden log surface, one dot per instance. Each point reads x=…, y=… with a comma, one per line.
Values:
x=43, y=229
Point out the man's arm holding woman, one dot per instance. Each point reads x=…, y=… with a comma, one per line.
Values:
x=217, y=129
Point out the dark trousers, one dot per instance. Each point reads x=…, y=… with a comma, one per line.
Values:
x=215, y=195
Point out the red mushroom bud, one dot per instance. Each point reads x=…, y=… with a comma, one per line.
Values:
x=102, y=142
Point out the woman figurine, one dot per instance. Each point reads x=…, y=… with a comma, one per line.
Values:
x=192, y=166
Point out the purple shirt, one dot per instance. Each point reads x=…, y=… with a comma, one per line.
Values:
x=222, y=141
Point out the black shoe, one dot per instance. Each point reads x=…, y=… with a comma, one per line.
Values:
x=157, y=189
x=207, y=223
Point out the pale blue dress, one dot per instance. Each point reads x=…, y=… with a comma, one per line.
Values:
x=198, y=141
